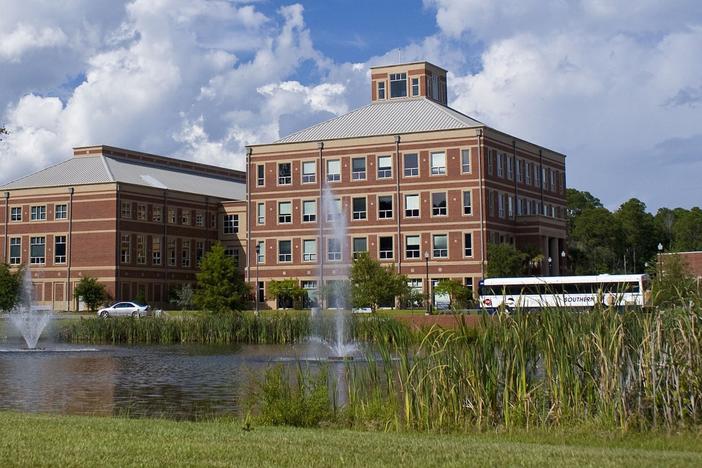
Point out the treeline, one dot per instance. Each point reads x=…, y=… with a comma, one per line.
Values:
x=625, y=240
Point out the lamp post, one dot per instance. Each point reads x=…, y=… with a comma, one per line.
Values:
x=550, y=266
x=563, y=261
x=258, y=251
x=659, y=267
x=426, y=271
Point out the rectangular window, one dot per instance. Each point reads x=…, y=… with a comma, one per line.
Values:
x=438, y=163
x=61, y=212
x=171, y=215
x=37, y=250
x=125, y=248
x=552, y=178
x=510, y=206
x=199, y=251
x=415, y=86
x=141, y=211
x=411, y=165
x=285, y=251
x=15, y=251
x=500, y=165
x=260, y=175
x=467, y=203
x=465, y=160
x=411, y=206
x=384, y=167
x=490, y=162
x=284, y=212
x=468, y=244
x=231, y=224
x=491, y=203
x=385, y=250
x=359, y=208
x=527, y=173
x=334, y=211
x=440, y=245
x=59, y=249
x=360, y=245
x=199, y=219
x=309, y=172
x=233, y=254
x=537, y=176
x=309, y=211
x=309, y=250
x=385, y=206
x=519, y=169
x=260, y=213
x=38, y=213
x=412, y=247
x=156, y=251
x=284, y=173
x=125, y=210
x=333, y=170
x=156, y=214
x=186, y=217
x=16, y=213
x=261, y=249
x=140, y=250
x=398, y=85
x=438, y=204
x=510, y=168
x=381, y=90
x=171, y=252
x=333, y=250
x=185, y=254
x=358, y=168
x=501, y=205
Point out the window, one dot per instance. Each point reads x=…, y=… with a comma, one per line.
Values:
x=360, y=245
x=309, y=250
x=411, y=165
x=490, y=162
x=381, y=90
x=519, y=169
x=398, y=85
x=333, y=170
x=537, y=176
x=385, y=206
x=185, y=254
x=38, y=213
x=284, y=212
x=15, y=251
x=411, y=206
x=412, y=247
x=186, y=217
x=333, y=250
x=415, y=86
x=309, y=172
x=309, y=211
x=125, y=210
x=125, y=248
x=467, y=203
x=61, y=212
x=358, y=168
x=500, y=165
x=199, y=219
x=359, y=208
x=141, y=212
x=491, y=203
x=171, y=252
x=156, y=251
x=440, y=245
x=261, y=249
x=510, y=206
x=435, y=86
x=468, y=244
x=16, y=213
x=438, y=163
x=384, y=167
x=334, y=211
x=552, y=178
x=59, y=249
x=260, y=213
x=156, y=214
x=385, y=247
x=233, y=254
x=510, y=168
x=285, y=251
x=37, y=249
x=284, y=173
x=140, y=250
x=501, y=205
x=438, y=204
x=199, y=251
x=465, y=160
x=231, y=224
x=171, y=215
x=527, y=173
x=260, y=175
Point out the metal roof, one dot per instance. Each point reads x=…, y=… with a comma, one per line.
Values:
x=103, y=169
x=392, y=117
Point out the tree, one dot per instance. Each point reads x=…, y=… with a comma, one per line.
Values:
x=372, y=284
x=596, y=240
x=638, y=234
x=184, y=296
x=458, y=293
x=577, y=202
x=92, y=293
x=687, y=230
x=220, y=287
x=287, y=293
x=9, y=287
x=504, y=260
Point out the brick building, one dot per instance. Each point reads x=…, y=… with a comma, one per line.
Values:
x=420, y=185
x=138, y=222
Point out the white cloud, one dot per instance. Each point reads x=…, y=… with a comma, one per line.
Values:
x=26, y=37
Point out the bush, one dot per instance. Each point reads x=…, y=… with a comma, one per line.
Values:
x=220, y=286
x=92, y=293
x=9, y=287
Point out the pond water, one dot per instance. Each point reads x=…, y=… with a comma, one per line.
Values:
x=176, y=381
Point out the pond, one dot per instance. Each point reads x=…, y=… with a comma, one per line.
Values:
x=175, y=381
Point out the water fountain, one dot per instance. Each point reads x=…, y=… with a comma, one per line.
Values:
x=29, y=320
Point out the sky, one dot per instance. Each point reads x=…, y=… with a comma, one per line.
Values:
x=616, y=85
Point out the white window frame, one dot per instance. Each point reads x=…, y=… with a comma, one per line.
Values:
x=416, y=254
x=414, y=171
x=61, y=208
x=417, y=209
x=309, y=177
x=470, y=202
x=384, y=172
x=439, y=212
x=309, y=217
x=261, y=213
x=285, y=218
x=383, y=214
x=35, y=241
x=383, y=254
x=468, y=249
x=359, y=215
x=285, y=258
x=309, y=256
x=333, y=176
x=434, y=250
x=466, y=168
x=436, y=169
x=334, y=255
x=284, y=180
x=16, y=242
x=359, y=175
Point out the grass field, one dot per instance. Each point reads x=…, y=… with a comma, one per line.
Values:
x=43, y=440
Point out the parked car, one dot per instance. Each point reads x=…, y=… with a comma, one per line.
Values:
x=124, y=309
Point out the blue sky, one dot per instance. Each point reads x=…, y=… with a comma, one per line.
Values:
x=616, y=85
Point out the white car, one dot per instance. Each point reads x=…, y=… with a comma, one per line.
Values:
x=124, y=309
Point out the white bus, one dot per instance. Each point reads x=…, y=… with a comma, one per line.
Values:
x=565, y=291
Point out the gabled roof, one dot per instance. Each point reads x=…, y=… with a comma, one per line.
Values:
x=99, y=168
x=392, y=117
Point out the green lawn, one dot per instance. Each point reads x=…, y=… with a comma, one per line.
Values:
x=42, y=440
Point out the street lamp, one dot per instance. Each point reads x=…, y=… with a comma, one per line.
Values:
x=258, y=251
x=659, y=267
x=426, y=270
x=563, y=260
x=550, y=266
